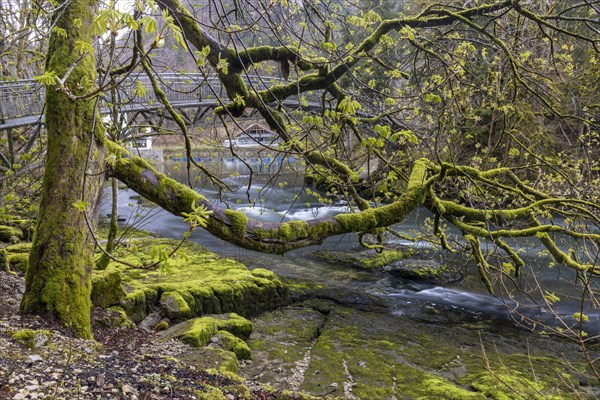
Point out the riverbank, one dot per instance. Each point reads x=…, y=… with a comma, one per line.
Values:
x=40, y=360
x=318, y=339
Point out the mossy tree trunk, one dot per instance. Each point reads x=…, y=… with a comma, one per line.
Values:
x=58, y=280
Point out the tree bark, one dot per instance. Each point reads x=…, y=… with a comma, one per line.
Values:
x=58, y=280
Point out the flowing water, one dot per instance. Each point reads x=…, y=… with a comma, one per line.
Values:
x=260, y=196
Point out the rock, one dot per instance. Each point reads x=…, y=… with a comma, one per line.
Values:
x=208, y=357
x=16, y=255
x=6, y=232
x=208, y=283
x=129, y=390
x=150, y=321
x=174, y=306
x=199, y=331
x=112, y=317
x=162, y=325
x=31, y=338
x=40, y=339
x=32, y=358
x=405, y=263
x=232, y=343
x=135, y=304
x=106, y=288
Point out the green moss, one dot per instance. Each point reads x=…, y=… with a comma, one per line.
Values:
x=210, y=393
x=441, y=388
x=174, y=306
x=207, y=358
x=16, y=255
x=114, y=317
x=510, y=384
x=234, y=344
x=208, y=284
x=198, y=332
x=236, y=324
x=161, y=326
x=25, y=225
x=106, y=288
x=9, y=232
x=27, y=337
x=19, y=248
x=238, y=221
x=134, y=305
x=290, y=231
x=365, y=259
x=241, y=391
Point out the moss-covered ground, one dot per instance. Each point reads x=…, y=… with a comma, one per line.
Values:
x=344, y=352
x=194, y=282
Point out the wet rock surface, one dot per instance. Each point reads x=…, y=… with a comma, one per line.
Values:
x=403, y=262
x=330, y=350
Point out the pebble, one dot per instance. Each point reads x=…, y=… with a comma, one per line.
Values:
x=33, y=358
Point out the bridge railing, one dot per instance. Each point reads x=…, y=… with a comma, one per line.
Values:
x=26, y=97
x=20, y=99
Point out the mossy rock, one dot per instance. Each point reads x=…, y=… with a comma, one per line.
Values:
x=210, y=393
x=114, y=317
x=230, y=342
x=510, y=384
x=8, y=234
x=174, y=306
x=106, y=288
x=134, y=304
x=15, y=256
x=207, y=283
x=198, y=332
x=396, y=356
x=25, y=225
x=32, y=338
x=210, y=357
x=405, y=263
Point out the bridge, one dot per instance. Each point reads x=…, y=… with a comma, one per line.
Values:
x=192, y=95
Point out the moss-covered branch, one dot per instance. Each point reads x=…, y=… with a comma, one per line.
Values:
x=236, y=228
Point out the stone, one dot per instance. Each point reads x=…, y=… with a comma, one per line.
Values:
x=33, y=358
x=40, y=339
x=106, y=288
x=174, y=306
x=6, y=232
x=150, y=321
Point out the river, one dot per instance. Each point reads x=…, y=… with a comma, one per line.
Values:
x=282, y=199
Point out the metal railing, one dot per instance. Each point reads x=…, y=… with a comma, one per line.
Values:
x=25, y=98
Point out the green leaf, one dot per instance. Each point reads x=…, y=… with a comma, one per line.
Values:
x=48, y=78
x=149, y=24
x=581, y=317
x=80, y=205
x=223, y=65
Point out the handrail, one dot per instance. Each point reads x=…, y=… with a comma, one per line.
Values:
x=25, y=98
